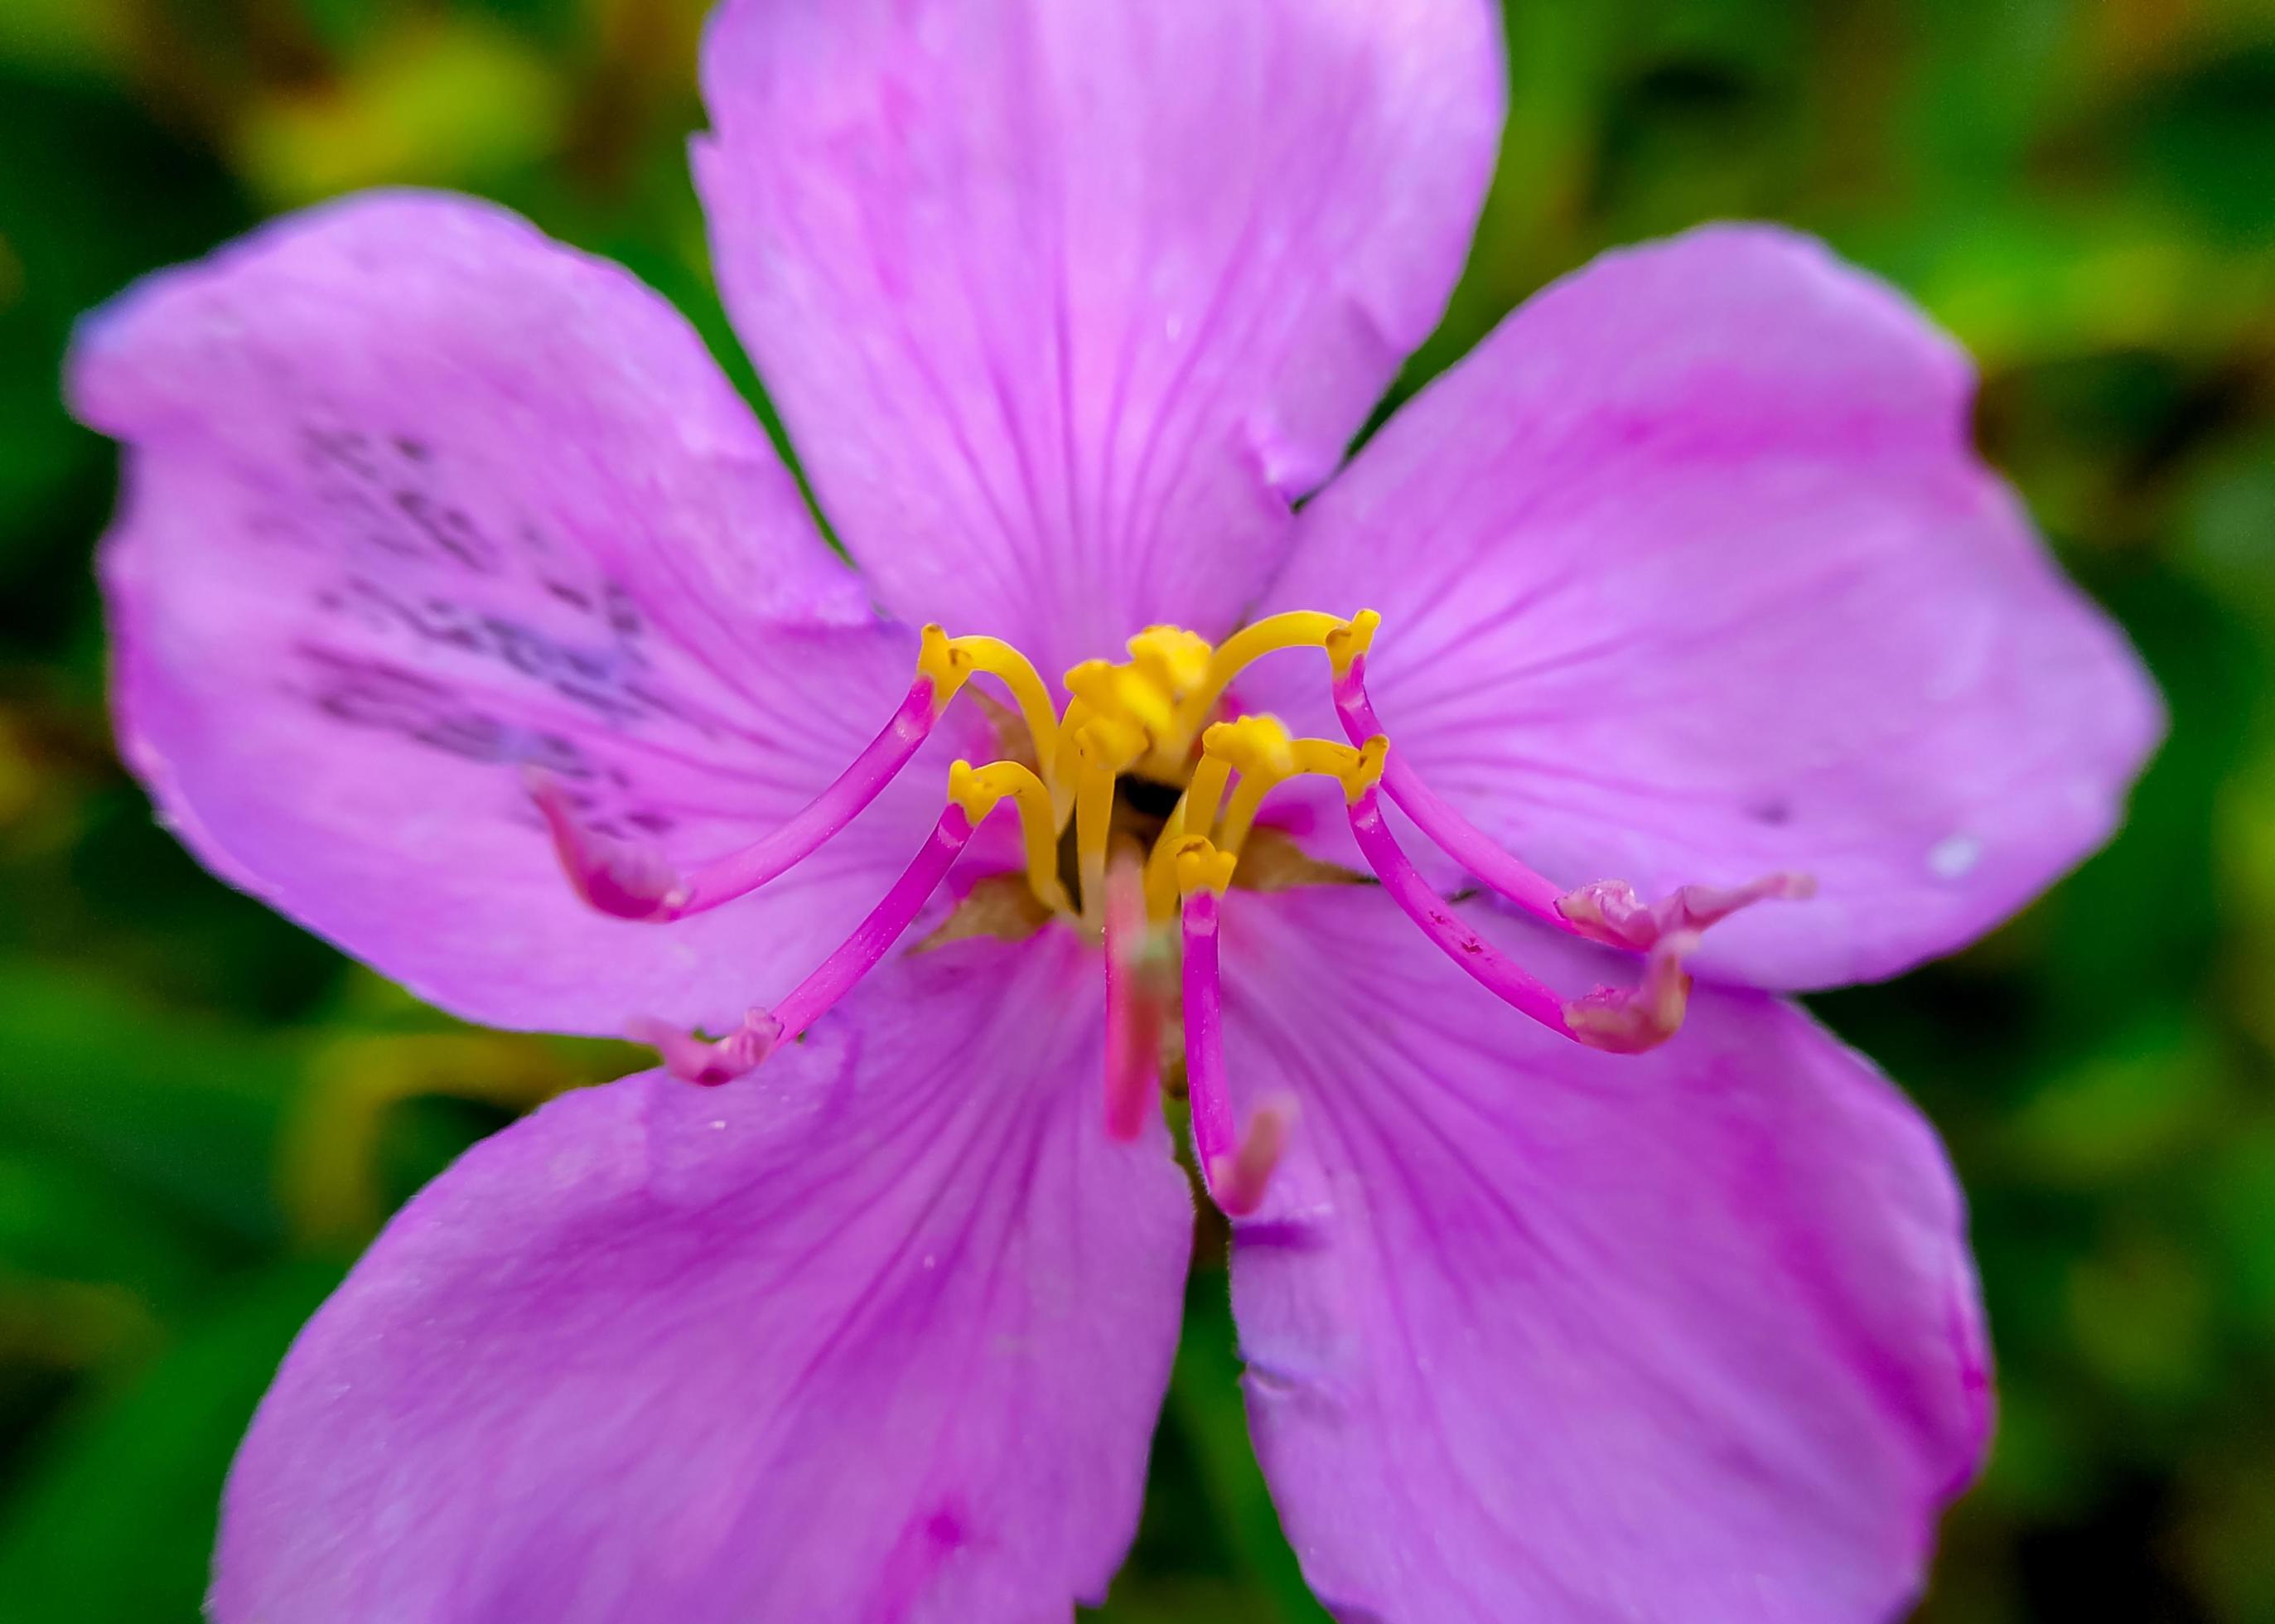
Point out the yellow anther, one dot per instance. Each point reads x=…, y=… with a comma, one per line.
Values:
x=978, y=789
x=1175, y=660
x=1110, y=744
x=1200, y=865
x=965, y=790
x=939, y=658
x=1353, y=638
x=1359, y=770
x=1260, y=747
x=1000, y=659
x=1253, y=746
x=1124, y=691
x=1353, y=769
x=1092, y=683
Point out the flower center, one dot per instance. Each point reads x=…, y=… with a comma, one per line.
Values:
x=1130, y=739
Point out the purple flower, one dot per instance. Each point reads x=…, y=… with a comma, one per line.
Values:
x=449, y=562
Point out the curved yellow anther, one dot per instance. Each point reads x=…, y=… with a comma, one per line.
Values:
x=1260, y=749
x=1000, y=659
x=978, y=790
x=1353, y=638
x=1200, y=865
x=1296, y=629
x=1343, y=639
x=939, y=658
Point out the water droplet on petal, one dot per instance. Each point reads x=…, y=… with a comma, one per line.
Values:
x=1954, y=856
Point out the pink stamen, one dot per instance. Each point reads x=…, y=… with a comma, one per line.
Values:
x=1604, y=911
x=1620, y=1020
x=1609, y=911
x=1484, y=963
x=836, y=975
x=697, y=1060
x=635, y=881
x=887, y=920
x=1460, y=839
x=1236, y=1168
x=1133, y=1016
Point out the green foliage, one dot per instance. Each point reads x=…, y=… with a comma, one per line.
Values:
x=2082, y=190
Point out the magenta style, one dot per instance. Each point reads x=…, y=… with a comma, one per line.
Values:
x=1444, y=824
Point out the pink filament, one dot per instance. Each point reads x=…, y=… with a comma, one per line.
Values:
x=696, y=1059
x=636, y=882
x=1133, y=1018
x=836, y=975
x=1236, y=1168
x=1604, y=911
x=1485, y=963
x=1213, y=1135
x=1460, y=839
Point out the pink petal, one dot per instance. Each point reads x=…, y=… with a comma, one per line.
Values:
x=879, y=1332
x=1063, y=304
x=1690, y=574
x=1536, y=1332
x=416, y=499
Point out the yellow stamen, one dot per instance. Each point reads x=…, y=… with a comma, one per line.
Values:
x=1000, y=659
x=939, y=658
x=1093, y=821
x=1124, y=692
x=1068, y=756
x=1260, y=749
x=1351, y=640
x=1358, y=770
x=1175, y=660
x=1204, y=794
x=1200, y=864
x=1195, y=813
x=978, y=789
x=1298, y=629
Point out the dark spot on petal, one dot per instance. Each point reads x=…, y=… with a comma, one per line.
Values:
x=1771, y=812
x=623, y=614
x=944, y=1528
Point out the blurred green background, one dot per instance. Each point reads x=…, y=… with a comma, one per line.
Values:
x=203, y=1111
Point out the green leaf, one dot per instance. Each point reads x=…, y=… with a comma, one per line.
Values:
x=114, y=1520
